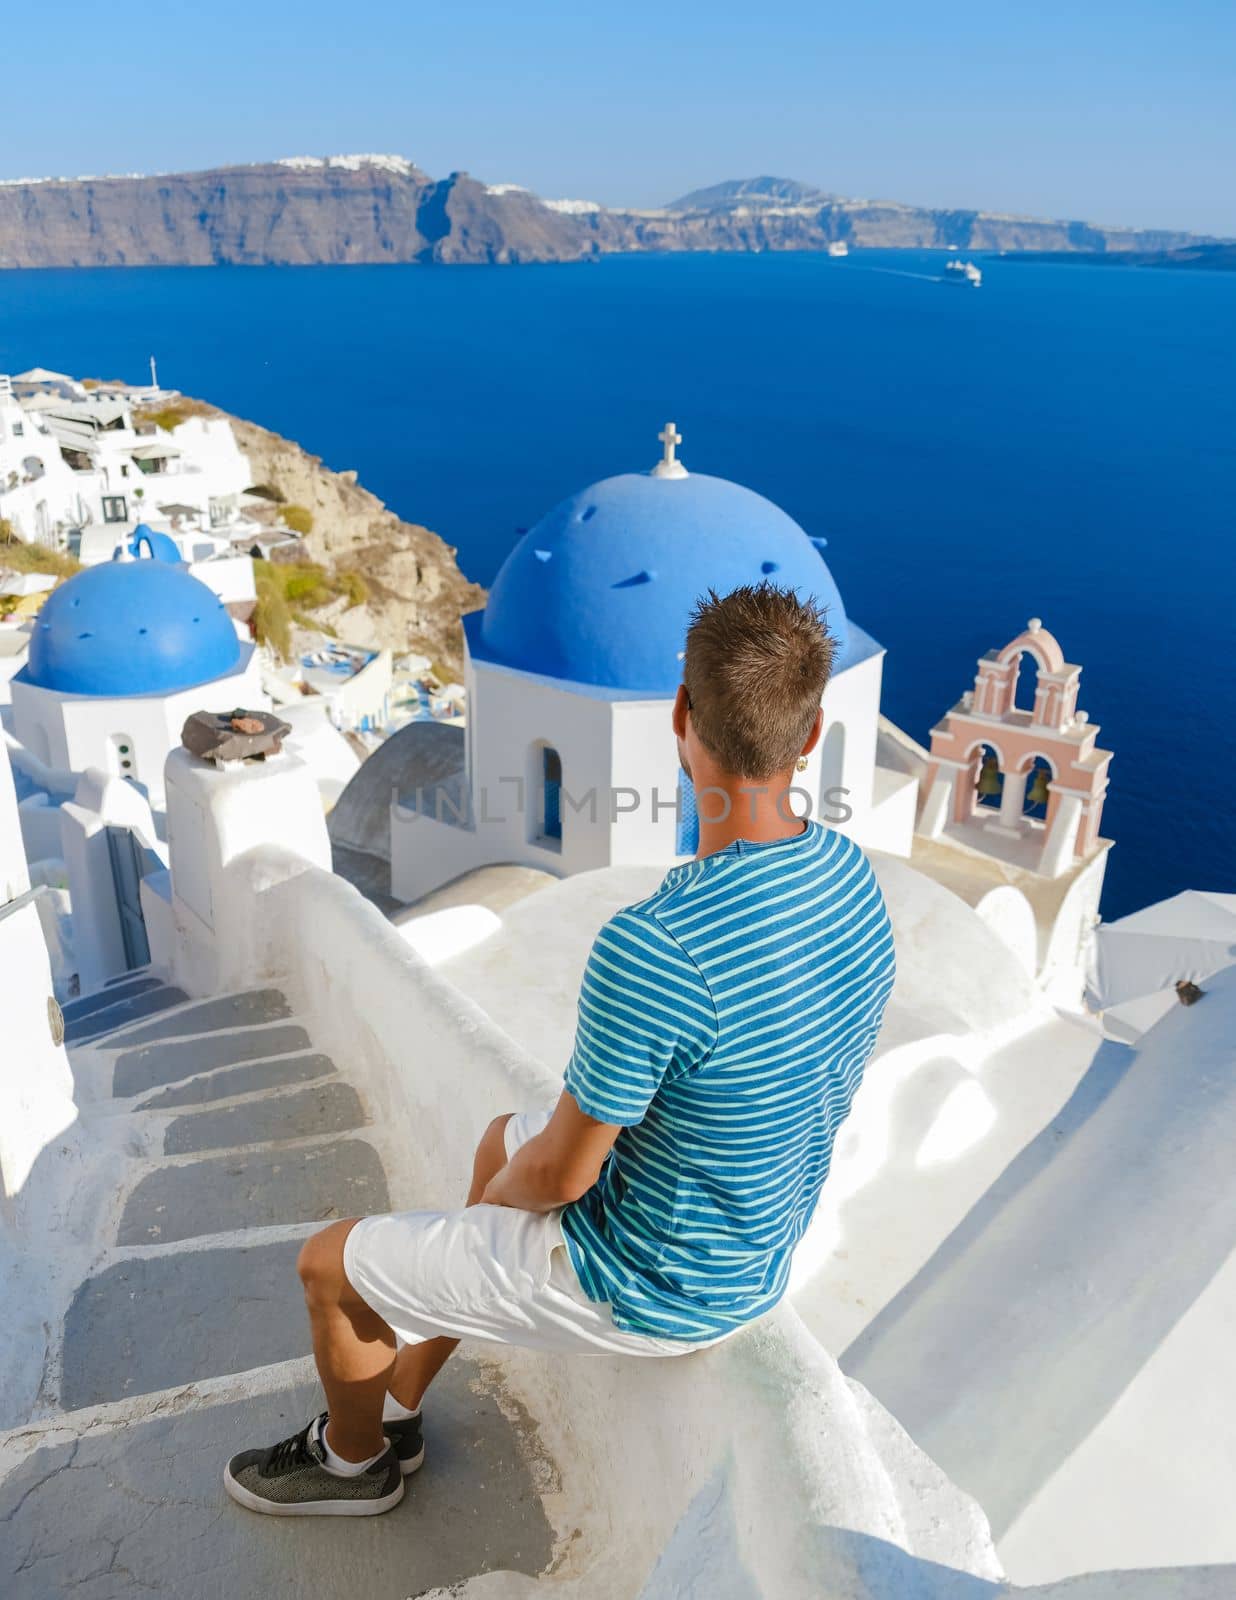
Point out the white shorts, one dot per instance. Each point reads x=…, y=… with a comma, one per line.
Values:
x=487, y=1272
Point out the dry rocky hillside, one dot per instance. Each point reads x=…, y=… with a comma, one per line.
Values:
x=415, y=592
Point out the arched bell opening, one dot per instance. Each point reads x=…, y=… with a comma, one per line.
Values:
x=1039, y=776
x=989, y=779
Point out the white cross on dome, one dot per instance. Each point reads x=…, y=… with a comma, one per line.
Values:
x=669, y=465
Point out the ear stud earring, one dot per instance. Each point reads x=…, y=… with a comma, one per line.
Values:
x=802, y=763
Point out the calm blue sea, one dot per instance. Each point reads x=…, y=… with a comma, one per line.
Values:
x=1061, y=443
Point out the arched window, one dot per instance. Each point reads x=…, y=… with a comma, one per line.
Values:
x=1026, y=684
x=551, y=798
x=688, y=836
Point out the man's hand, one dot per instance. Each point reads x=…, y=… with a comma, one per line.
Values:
x=557, y=1166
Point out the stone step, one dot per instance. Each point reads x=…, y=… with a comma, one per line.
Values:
x=140, y=1509
x=301, y=1114
x=152, y=1065
x=126, y=977
x=88, y=1003
x=251, y=1078
x=155, y=1322
x=122, y=1012
x=226, y=1194
x=244, y=1010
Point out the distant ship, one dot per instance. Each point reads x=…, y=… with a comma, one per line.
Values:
x=962, y=272
x=839, y=248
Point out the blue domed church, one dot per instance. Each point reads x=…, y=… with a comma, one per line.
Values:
x=119, y=656
x=568, y=761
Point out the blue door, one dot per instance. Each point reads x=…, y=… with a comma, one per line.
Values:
x=127, y=873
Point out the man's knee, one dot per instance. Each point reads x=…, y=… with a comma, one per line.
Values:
x=320, y=1263
x=490, y=1155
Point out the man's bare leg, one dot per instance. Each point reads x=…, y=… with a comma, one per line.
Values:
x=354, y=1349
x=417, y=1365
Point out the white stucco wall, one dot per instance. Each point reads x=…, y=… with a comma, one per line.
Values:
x=39, y=492
x=40, y=827
x=851, y=702
x=14, y=876
x=218, y=818
x=509, y=717
x=212, y=463
x=230, y=577
x=320, y=745
x=365, y=694
x=36, y=1089
x=645, y=762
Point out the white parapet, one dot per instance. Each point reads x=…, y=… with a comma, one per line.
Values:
x=36, y=1089
x=14, y=873
x=217, y=817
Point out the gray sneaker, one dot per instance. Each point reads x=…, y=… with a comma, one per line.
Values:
x=407, y=1441
x=290, y=1480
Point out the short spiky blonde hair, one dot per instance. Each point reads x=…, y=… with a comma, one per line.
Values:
x=756, y=663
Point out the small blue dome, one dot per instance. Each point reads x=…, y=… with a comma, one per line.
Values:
x=129, y=628
x=158, y=545
x=601, y=590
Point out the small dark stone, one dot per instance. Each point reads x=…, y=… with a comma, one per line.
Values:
x=239, y=735
x=1188, y=993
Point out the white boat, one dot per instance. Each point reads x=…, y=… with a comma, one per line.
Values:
x=838, y=248
x=962, y=272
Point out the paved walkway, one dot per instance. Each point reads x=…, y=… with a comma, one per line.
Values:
x=188, y=1339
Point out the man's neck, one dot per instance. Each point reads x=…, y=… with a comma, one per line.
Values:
x=732, y=808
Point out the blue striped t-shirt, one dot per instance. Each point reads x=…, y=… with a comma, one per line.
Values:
x=724, y=1023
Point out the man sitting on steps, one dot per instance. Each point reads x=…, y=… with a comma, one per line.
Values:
x=724, y=1024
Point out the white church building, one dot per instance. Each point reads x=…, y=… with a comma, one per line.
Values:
x=119, y=656
x=567, y=762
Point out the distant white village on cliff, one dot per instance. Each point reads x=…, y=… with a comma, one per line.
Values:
x=281, y=962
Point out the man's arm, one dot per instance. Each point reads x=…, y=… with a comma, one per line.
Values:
x=559, y=1165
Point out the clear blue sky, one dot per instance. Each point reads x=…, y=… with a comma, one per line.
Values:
x=1112, y=112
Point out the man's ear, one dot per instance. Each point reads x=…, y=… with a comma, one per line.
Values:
x=813, y=738
x=681, y=708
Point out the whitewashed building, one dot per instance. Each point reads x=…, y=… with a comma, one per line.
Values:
x=119, y=656
x=73, y=459
x=40, y=494
x=567, y=762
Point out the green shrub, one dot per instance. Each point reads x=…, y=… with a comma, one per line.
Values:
x=295, y=588
x=18, y=556
x=267, y=491
x=354, y=586
x=272, y=620
x=308, y=586
x=298, y=518
x=173, y=414
x=303, y=620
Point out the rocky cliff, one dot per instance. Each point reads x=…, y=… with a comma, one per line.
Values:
x=415, y=591
x=357, y=209
x=345, y=209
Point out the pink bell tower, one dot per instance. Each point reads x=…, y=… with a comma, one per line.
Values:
x=988, y=746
